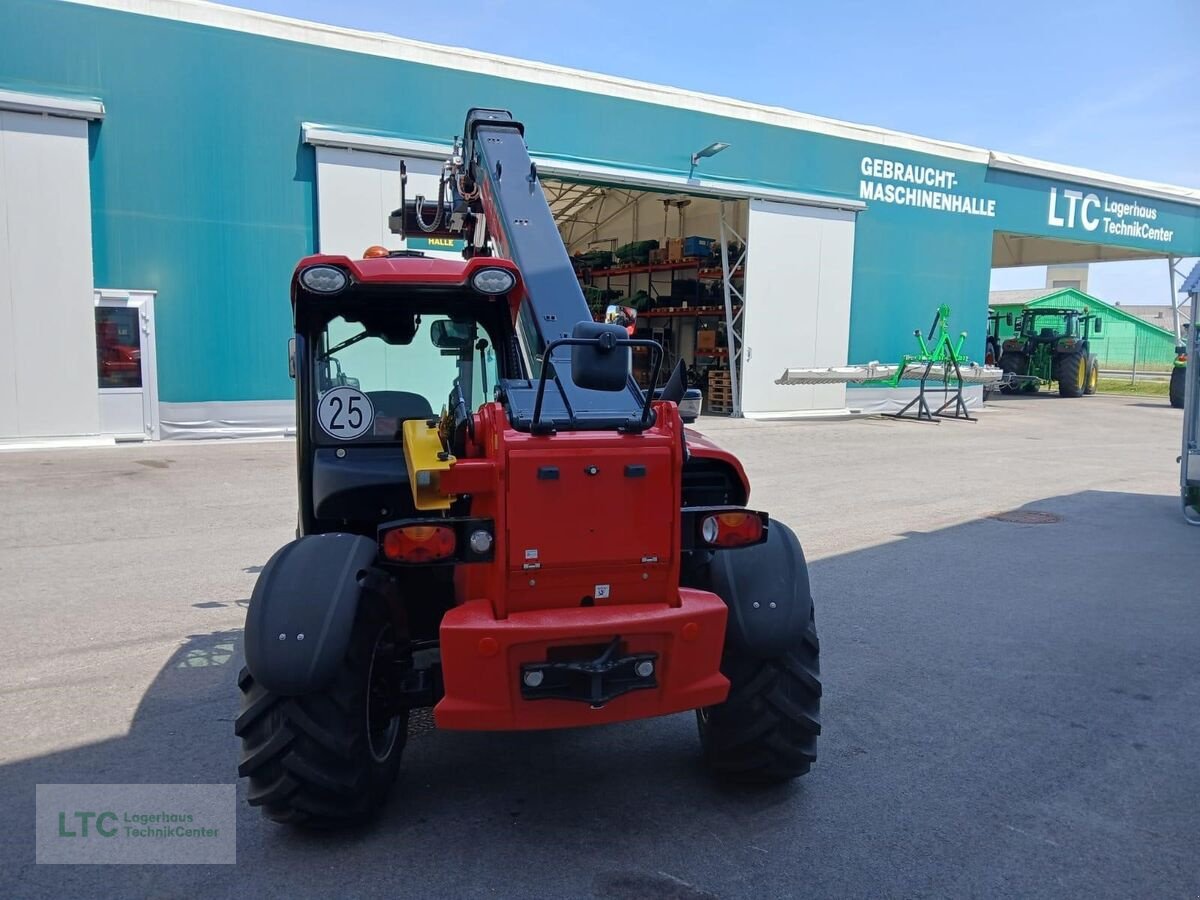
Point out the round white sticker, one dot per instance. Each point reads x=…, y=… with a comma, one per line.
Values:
x=345, y=413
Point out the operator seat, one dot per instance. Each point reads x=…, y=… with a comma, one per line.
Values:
x=1046, y=335
x=400, y=405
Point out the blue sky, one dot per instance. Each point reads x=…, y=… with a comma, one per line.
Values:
x=1102, y=84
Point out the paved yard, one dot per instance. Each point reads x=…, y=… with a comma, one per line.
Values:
x=1011, y=709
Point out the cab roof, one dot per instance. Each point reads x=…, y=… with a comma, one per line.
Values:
x=408, y=269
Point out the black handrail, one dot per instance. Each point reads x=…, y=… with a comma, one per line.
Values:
x=599, y=340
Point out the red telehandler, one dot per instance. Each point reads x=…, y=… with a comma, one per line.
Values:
x=552, y=548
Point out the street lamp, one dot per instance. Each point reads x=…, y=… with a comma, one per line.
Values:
x=711, y=150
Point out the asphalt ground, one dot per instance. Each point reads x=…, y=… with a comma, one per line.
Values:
x=1010, y=708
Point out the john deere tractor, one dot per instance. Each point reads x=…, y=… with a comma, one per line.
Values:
x=1179, y=371
x=1052, y=345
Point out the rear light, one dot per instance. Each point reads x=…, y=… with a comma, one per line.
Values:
x=419, y=543
x=732, y=529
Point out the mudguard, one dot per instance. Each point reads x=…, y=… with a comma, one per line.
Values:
x=302, y=611
x=766, y=589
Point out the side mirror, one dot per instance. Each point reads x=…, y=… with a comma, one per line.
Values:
x=1008, y=320
x=291, y=358
x=450, y=335
x=1097, y=326
x=689, y=406
x=602, y=365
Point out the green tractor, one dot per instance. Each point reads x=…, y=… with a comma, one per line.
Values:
x=1051, y=345
x=1179, y=371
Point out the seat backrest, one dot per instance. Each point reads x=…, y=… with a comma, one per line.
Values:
x=400, y=405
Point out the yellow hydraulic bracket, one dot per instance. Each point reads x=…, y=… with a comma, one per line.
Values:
x=426, y=459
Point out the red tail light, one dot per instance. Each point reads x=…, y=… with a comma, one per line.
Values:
x=731, y=529
x=419, y=543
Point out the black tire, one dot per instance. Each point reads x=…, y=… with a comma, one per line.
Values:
x=1093, y=377
x=766, y=731
x=1178, y=386
x=1013, y=363
x=313, y=760
x=1071, y=373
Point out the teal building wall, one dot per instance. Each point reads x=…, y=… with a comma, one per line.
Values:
x=203, y=190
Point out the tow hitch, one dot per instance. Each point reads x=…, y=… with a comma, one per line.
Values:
x=594, y=681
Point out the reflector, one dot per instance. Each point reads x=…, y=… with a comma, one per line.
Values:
x=419, y=543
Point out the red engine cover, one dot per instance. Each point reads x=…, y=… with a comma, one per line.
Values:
x=597, y=506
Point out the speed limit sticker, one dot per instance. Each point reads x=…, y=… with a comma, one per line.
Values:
x=345, y=413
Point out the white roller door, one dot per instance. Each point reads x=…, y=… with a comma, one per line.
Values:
x=797, y=312
x=357, y=190
x=47, y=332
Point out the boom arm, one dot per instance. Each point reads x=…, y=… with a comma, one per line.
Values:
x=490, y=195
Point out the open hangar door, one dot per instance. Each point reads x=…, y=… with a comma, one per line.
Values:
x=738, y=288
x=658, y=252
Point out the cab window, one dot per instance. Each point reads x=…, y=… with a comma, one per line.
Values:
x=368, y=381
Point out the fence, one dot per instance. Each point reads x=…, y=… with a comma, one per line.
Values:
x=1124, y=347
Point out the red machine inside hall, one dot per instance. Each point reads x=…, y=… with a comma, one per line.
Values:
x=497, y=522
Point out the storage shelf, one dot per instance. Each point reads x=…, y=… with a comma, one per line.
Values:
x=634, y=270
x=681, y=312
x=704, y=273
x=716, y=273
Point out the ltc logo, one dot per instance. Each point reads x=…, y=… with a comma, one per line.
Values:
x=1074, y=201
x=85, y=821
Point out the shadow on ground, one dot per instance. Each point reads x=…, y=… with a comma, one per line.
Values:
x=1028, y=732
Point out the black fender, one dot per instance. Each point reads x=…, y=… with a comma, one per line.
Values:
x=766, y=589
x=302, y=611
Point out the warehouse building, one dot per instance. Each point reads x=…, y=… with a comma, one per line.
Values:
x=164, y=163
x=1126, y=342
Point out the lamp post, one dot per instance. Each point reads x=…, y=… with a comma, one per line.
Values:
x=711, y=150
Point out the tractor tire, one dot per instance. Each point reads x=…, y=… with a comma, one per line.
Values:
x=1072, y=374
x=326, y=759
x=1093, y=376
x=1178, y=386
x=766, y=730
x=1013, y=363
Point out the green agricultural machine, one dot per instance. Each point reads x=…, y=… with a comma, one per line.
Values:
x=1179, y=370
x=1052, y=345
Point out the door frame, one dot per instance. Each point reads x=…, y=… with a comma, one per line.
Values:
x=143, y=302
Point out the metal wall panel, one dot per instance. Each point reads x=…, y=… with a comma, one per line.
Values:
x=798, y=280
x=355, y=193
x=47, y=338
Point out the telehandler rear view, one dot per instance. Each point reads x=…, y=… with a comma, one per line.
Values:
x=497, y=522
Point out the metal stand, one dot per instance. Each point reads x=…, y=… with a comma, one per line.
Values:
x=946, y=355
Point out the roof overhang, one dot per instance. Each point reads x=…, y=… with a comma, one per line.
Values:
x=330, y=37
x=1024, y=165
x=576, y=170
x=1009, y=250
x=52, y=105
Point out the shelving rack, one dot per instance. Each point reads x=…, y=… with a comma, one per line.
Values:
x=714, y=360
